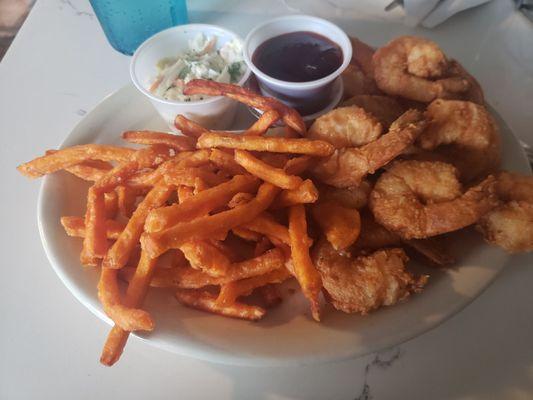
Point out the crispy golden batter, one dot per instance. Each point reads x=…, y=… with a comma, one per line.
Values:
x=417, y=69
x=348, y=166
x=510, y=226
x=351, y=197
x=465, y=133
x=362, y=56
x=358, y=77
x=355, y=81
x=409, y=209
x=513, y=186
x=346, y=127
x=385, y=109
x=474, y=92
x=364, y=283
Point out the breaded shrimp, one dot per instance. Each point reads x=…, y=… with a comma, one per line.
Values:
x=374, y=236
x=474, y=92
x=356, y=82
x=346, y=127
x=358, y=77
x=428, y=203
x=417, y=69
x=364, y=283
x=351, y=197
x=465, y=133
x=385, y=109
x=348, y=166
x=510, y=226
x=362, y=55
x=512, y=186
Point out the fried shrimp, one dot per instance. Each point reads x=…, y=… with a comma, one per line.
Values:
x=351, y=197
x=512, y=186
x=474, y=92
x=419, y=199
x=358, y=77
x=346, y=127
x=348, y=166
x=510, y=226
x=364, y=283
x=465, y=134
x=385, y=109
x=374, y=236
x=417, y=69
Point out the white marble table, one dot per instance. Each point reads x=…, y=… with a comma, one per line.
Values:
x=60, y=66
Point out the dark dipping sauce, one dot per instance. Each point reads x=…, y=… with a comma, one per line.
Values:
x=298, y=57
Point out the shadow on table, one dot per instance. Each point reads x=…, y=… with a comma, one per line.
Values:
x=483, y=352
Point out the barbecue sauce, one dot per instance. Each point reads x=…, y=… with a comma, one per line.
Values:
x=298, y=57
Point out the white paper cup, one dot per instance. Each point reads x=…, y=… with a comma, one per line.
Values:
x=212, y=112
x=296, y=94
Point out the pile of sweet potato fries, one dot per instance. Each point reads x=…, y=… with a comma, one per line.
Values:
x=213, y=215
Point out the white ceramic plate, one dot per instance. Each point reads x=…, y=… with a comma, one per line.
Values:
x=287, y=335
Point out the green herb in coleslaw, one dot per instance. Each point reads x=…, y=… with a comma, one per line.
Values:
x=202, y=61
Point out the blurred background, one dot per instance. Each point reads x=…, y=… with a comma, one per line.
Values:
x=12, y=15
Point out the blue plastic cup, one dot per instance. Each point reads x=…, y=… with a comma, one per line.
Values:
x=128, y=23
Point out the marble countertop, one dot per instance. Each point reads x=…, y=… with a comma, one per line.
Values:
x=60, y=66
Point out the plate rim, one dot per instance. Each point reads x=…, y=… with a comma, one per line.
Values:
x=223, y=356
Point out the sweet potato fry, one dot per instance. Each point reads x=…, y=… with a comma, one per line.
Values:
x=189, y=176
x=266, y=172
x=262, y=124
x=127, y=197
x=245, y=96
x=304, y=270
x=183, y=277
x=90, y=170
x=135, y=295
x=188, y=127
x=341, y=225
x=304, y=194
x=75, y=226
x=111, y=204
x=182, y=160
x=95, y=241
x=318, y=148
x=278, y=160
x=127, y=318
x=246, y=234
x=70, y=156
x=225, y=161
x=266, y=225
x=205, y=301
x=239, y=199
x=176, y=142
x=269, y=261
x=200, y=204
x=119, y=253
x=244, y=287
x=262, y=245
x=184, y=193
x=157, y=243
x=190, y=278
x=298, y=165
x=204, y=256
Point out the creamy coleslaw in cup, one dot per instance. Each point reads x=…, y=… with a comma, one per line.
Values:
x=201, y=61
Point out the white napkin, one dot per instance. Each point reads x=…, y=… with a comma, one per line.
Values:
x=430, y=13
